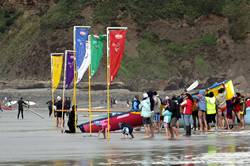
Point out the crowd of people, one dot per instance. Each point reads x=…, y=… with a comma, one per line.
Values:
x=202, y=111
x=59, y=110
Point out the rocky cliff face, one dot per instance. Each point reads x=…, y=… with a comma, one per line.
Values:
x=164, y=54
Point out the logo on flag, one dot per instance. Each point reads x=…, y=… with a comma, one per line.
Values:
x=118, y=36
x=117, y=45
x=81, y=37
x=82, y=33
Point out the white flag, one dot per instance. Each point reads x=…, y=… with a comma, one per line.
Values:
x=85, y=64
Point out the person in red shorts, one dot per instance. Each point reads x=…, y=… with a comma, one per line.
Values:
x=222, y=108
x=237, y=108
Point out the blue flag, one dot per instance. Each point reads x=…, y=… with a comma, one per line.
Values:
x=81, y=37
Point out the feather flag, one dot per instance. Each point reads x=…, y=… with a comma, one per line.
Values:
x=80, y=39
x=117, y=38
x=96, y=52
x=69, y=67
x=56, y=69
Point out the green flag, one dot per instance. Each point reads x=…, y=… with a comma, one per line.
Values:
x=96, y=52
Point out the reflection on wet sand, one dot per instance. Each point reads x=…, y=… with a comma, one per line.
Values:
x=211, y=155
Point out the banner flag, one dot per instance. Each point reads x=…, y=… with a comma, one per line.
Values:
x=117, y=38
x=56, y=69
x=96, y=52
x=80, y=38
x=69, y=67
x=86, y=60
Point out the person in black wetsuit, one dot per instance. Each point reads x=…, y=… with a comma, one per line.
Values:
x=49, y=107
x=20, y=107
x=71, y=121
x=126, y=129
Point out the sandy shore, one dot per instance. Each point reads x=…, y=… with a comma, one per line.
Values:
x=36, y=141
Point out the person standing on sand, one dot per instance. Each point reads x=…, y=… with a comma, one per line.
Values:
x=157, y=106
x=187, y=105
x=49, y=103
x=104, y=128
x=135, y=104
x=222, y=107
x=211, y=110
x=202, y=110
x=176, y=115
x=237, y=108
x=20, y=107
x=59, y=111
x=167, y=117
x=146, y=116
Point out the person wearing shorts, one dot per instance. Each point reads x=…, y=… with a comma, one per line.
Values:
x=146, y=116
x=156, y=115
x=222, y=108
x=176, y=115
x=202, y=109
x=237, y=108
x=167, y=118
x=211, y=110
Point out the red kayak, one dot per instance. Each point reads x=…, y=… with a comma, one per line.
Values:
x=6, y=108
x=134, y=119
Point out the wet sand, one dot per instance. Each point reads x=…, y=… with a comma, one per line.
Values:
x=36, y=141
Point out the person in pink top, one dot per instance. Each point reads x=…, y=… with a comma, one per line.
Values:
x=104, y=128
x=187, y=106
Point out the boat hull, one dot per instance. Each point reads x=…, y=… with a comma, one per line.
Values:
x=132, y=118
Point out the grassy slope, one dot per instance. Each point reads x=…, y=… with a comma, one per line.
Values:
x=28, y=38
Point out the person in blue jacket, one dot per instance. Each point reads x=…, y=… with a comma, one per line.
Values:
x=135, y=103
x=202, y=109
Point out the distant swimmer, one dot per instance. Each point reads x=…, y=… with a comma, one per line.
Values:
x=20, y=107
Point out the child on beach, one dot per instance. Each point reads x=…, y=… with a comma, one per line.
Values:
x=167, y=118
x=104, y=128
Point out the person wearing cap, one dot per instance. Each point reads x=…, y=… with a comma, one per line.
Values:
x=167, y=117
x=157, y=106
x=146, y=115
x=59, y=111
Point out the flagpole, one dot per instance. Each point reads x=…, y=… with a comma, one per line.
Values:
x=52, y=83
x=108, y=86
x=74, y=86
x=74, y=94
x=75, y=71
x=64, y=82
x=89, y=72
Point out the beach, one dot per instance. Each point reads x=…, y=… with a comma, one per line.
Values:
x=36, y=141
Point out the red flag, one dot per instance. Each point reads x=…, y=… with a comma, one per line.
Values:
x=117, y=40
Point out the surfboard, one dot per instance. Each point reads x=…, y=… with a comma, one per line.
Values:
x=30, y=102
x=10, y=103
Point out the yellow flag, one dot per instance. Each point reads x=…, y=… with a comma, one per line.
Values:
x=56, y=69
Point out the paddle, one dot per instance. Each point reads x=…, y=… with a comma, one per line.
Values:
x=192, y=86
x=36, y=113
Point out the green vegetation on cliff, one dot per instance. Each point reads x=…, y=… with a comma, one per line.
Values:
x=29, y=34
